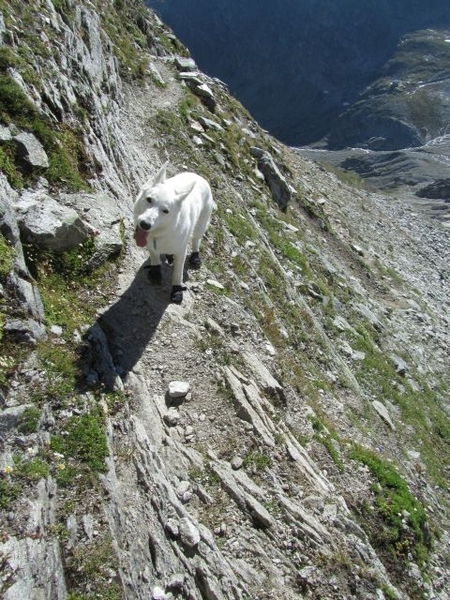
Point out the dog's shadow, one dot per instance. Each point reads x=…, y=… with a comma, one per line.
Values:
x=119, y=337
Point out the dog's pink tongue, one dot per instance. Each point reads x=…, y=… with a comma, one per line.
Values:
x=140, y=236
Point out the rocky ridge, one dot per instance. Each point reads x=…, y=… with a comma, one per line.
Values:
x=239, y=426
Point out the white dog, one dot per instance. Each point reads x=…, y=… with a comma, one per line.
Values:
x=168, y=213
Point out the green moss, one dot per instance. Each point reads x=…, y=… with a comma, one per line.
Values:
x=187, y=105
x=29, y=420
x=8, y=165
x=15, y=107
x=238, y=225
x=88, y=571
x=9, y=491
x=292, y=253
x=31, y=470
x=396, y=508
x=84, y=441
x=60, y=374
x=8, y=58
x=66, y=283
x=258, y=460
x=6, y=258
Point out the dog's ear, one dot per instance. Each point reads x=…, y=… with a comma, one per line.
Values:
x=161, y=175
x=180, y=195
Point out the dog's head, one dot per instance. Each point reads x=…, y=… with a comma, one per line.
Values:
x=157, y=206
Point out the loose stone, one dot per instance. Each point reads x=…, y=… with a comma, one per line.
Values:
x=179, y=389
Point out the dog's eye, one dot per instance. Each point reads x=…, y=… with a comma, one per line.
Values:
x=149, y=199
x=165, y=211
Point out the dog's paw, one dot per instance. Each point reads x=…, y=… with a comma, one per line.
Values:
x=195, y=260
x=176, y=296
x=154, y=273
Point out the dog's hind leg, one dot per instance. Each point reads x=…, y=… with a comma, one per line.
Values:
x=199, y=232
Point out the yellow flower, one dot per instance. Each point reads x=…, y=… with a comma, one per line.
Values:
x=8, y=469
x=61, y=466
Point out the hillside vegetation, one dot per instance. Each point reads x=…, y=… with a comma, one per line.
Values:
x=283, y=433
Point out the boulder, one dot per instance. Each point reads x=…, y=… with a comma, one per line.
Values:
x=100, y=212
x=30, y=150
x=25, y=295
x=44, y=222
x=279, y=188
x=28, y=331
x=185, y=64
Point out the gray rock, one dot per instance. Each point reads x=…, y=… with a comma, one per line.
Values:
x=206, y=95
x=246, y=410
x=26, y=295
x=99, y=212
x=384, y=413
x=357, y=249
x=158, y=593
x=3, y=29
x=368, y=314
x=179, y=389
x=185, y=64
x=10, y=417
x=184, y=491
x=209, y=124
x=33, y=559
x=5, y=133
x=9, y=227
x=30, y=149
x=172, y=527
x=192, y=79
x=189, y=534
x=277, y=183
x=56, y=330
x=342, y=324
x=172, y=417
x=400, y=366
x=28, y=331
x=263, y=376
x=48, y=224
x=237, y=463
x=215, y=284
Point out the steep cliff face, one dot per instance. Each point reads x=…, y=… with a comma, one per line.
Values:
x=281, y=434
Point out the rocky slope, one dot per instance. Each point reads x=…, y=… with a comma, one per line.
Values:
x=284, y=432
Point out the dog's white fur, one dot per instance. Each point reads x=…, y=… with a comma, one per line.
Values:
x=169, y=213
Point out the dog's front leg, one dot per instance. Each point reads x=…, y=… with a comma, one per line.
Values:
x=154, y=270
x=176, y=295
